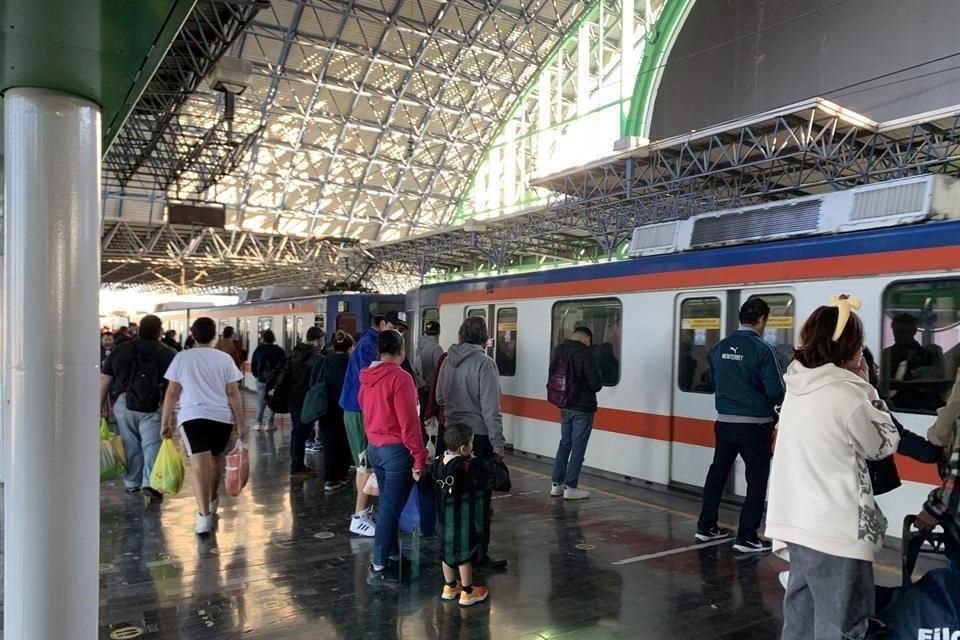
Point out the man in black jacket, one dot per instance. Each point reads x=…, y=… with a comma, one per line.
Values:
x=576, y=419
x=305, y=355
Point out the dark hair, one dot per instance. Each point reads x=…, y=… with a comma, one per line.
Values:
x=150, y=328
x=817, y=347
x=390, y=342
x=456, y=435
x=342, y=342
x=133, y=325
x=314, y=333
x=473, y=331
x=585, y=331
x=754, y=310
x=904, y=320
x=378, y=320
x=871, y=367
x=228, y=332
x=169, y=333
x=268, y=336
x=204, y=330
x=122, y=331
x=432, y=328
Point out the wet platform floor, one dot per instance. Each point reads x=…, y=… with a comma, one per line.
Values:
x=283, y=565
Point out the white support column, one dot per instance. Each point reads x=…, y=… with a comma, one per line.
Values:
x=52, y=276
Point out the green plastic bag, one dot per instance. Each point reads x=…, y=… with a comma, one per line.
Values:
x=167, y=474
x=111, y=454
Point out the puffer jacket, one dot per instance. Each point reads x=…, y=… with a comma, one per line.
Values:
x=585, y=373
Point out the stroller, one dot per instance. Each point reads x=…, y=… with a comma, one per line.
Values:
x=930, y=607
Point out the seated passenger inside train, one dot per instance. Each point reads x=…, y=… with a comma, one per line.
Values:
x=915, y=372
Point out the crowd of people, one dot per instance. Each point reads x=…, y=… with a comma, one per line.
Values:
x=384, y=412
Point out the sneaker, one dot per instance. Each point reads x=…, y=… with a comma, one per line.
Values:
x=477, y=594
x=258, y=427
x=451, y=593
x=572, y=493
x=154, y=496
x=270, y=427
x=311, y=446
x=204, y=524
x=715, y=533
x=784, y=579
x=556, y=490
x=213, y=505
x=362, y=525
x=330, y=487
x=753, y=546
x=133, y=490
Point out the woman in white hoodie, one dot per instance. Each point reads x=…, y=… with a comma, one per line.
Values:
x=822, y=515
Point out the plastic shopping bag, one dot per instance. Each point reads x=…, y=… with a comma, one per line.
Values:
x=115, y=439
x=167, y=474
x=371, y=488
x=419, y=515
x=111, y=462
x=237, y=468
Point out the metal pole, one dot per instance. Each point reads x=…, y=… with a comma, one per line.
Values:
x=51, y=262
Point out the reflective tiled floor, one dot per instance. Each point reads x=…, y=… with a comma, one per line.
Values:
x=285, y=566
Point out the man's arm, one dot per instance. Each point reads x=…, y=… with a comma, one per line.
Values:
x=105, y=382
x=772, y=375
x=170, y=399
x=591, y=372
x=236, y=407
x=490, y=405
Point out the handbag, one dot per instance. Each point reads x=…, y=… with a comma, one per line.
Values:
x=498, y=475
x=419, y=514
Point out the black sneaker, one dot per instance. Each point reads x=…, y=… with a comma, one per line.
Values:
x=753, y=546
x=714, y=533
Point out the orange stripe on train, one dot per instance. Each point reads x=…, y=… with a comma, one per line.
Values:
x=658, y=427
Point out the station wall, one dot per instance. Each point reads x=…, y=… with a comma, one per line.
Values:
x=735, y=58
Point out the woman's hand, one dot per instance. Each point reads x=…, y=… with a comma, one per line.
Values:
x=858, y=365
x=417, y=475
x=166, y=431
x=925, y=521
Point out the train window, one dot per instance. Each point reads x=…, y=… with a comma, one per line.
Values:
x=604, y=318
x=288, y=340
x=699, y=333
x=264, y=323
x=320, y=320
x=429, y=314
x=779, y=331
x=383, y=308
x=299, y=333
x=921, y=344
x=506, y=345
x=477, y=312
x=347, y=322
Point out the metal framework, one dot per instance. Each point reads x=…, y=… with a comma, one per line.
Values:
x=166, y=145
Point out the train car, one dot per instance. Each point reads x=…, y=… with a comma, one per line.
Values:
x=288, y=317
x=655, y=318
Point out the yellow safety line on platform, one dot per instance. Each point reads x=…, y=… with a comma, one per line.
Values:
x=684, y=514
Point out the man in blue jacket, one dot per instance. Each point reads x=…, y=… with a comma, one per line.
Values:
x=748, y=381
x=364, y=353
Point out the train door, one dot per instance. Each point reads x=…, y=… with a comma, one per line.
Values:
x=700, y=324
x=485, y=312
x=288, y=334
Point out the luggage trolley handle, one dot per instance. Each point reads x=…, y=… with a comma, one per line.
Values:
x=912, y=543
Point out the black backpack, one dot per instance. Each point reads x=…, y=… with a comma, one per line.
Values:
x=145, y=384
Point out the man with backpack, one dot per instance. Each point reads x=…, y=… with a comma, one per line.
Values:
x=138, y=366
x=299, y=366
x=573, y=386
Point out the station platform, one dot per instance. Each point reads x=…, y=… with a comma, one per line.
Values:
x=622, y=564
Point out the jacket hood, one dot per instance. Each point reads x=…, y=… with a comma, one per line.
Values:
x=460, y=353
x=304, y=351
x=378, y=371
x=427, y=341
x=802, y=381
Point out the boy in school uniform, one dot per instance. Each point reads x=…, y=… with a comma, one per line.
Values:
x=462, y=480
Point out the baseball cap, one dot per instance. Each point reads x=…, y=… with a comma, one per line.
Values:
x=432, y=328
x=397, y=319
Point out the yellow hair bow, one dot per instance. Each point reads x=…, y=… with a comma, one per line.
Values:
x=845, y=304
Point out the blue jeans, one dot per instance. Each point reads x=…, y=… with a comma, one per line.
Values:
x=140, y=432
x=575, y=428
x=393, y=465
x=262, y=403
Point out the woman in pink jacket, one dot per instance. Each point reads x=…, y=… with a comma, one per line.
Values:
x=391, y=420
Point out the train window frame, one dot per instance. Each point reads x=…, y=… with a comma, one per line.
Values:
x=887, y=322
x=512, y=370
x=784, y=353
x=555, y=339
x=482, y=313
x=424, y=319
x=683, y=301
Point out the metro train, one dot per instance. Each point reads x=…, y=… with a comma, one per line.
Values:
x=655, y=318
x=288, y=317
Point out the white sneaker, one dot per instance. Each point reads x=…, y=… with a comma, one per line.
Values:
x=204, y=524
x=258, y=427
x=213, y=506
x=570, y=493
x=784, y=579
x=362, y=525
x=556, y=490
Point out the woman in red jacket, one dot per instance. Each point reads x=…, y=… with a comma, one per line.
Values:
x=391, y=420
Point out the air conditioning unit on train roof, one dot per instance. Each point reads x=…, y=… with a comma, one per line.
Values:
x=275, y=292
x=885, y=204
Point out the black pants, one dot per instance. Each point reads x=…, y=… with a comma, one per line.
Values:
x=484, y=451
x=752, y=442
x=299, y=434
x=336, y=447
